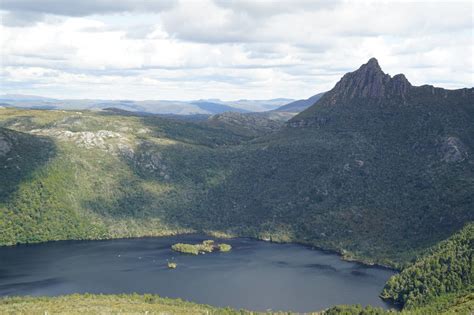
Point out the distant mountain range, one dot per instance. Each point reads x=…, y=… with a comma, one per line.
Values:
x=299, y=105
x=198, y=107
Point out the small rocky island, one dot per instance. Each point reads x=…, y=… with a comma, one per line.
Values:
x=207, y=246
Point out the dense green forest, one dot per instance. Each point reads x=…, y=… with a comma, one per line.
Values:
x=447, y=268
x=439, y=282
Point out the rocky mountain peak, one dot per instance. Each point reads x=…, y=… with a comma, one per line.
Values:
x=369, y=81
x=373, y=63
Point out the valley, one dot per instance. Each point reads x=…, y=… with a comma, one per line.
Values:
x=377, y=170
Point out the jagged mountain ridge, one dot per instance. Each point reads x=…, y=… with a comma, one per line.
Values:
x=370, y=85
x=369, y=81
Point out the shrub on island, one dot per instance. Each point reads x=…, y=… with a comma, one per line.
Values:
x=207, y=246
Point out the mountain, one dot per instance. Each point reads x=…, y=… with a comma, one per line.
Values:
x=23, y=97
x=260, y=105
x=250, y=124
x=216, y=108
x=299, y=105
x=164, y=107
x=369, y=87
x=377, y=169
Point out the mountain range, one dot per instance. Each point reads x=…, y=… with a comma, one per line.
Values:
x=299, y=105
x=377, y=170
x=166, y=107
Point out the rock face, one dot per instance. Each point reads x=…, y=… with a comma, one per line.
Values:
x=370, y=82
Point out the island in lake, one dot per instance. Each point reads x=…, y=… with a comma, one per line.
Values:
x=207, y=246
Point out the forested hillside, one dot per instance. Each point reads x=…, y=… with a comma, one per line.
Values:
x=446, y=270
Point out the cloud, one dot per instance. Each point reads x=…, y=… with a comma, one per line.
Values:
x=29, y=12
x=85, y=7
x=262, y=9
x=226, y=49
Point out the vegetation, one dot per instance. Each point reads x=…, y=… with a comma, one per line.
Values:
x=107, y=304
x=224, y=247
x=186, y=248
x=154, y=304
x=462, y=304
x=446, y=269
x=207, y=246
x=355, y=310
x=172, y=265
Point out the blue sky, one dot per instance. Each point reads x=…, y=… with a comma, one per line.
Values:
x=136, y=49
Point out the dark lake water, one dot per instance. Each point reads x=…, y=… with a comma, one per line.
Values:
x=255, y=275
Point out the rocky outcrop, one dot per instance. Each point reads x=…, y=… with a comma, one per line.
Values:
x=107, y=140
x=452, y=150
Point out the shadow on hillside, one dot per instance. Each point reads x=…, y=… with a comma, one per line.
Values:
x=20, y=155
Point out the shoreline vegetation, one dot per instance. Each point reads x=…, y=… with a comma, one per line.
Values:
x=207, y=246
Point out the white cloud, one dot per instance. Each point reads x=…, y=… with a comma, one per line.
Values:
x=228, y=49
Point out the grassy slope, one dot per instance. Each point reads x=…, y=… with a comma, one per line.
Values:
x=107, y=304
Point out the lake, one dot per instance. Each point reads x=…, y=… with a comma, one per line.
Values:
x=255, y=275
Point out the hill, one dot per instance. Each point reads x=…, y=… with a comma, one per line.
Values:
x=216, y=108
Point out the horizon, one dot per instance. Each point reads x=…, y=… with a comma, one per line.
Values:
x=139, y=50
x=151, y=100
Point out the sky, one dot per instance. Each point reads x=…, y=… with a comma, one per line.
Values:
x=227, y=49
